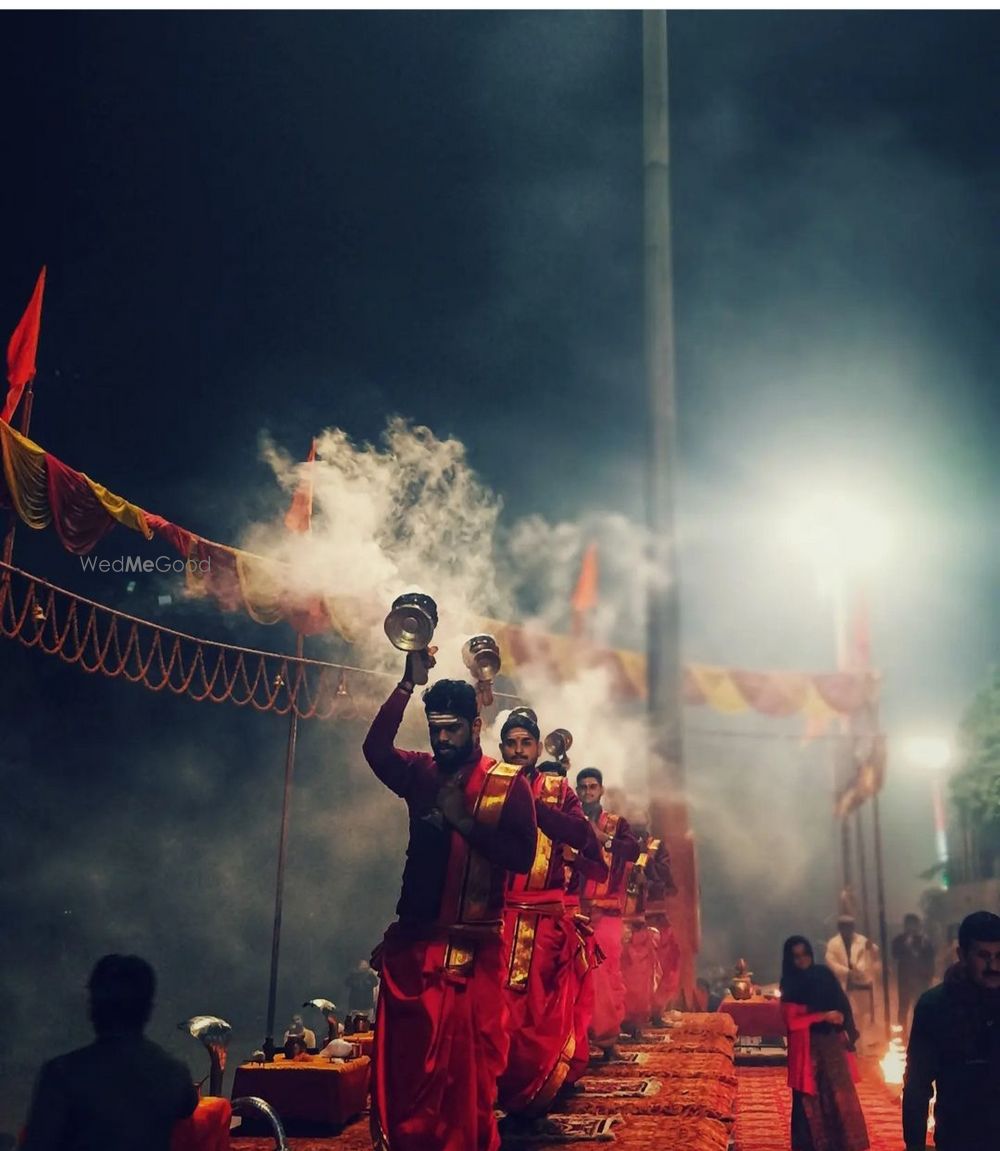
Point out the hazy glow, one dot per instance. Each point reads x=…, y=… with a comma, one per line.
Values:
x=932, y=754
x=927, y=752
x=840, y=534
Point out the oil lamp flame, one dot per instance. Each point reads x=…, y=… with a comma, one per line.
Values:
x=893, y=1062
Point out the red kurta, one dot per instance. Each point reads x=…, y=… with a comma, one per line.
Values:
x=541, y=947
x=440, y=1039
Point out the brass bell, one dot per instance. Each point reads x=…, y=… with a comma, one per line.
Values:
x=343, y=692
x=411, y=621
x=558, y=742
x=481, y=656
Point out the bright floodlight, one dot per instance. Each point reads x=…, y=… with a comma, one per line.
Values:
x=838, y=533
x=928, y=752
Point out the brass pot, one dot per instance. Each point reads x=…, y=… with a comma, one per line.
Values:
x=741, y=986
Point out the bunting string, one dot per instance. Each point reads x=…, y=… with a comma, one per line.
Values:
x=99, y=639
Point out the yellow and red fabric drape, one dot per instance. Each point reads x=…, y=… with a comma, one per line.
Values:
x=43, y=491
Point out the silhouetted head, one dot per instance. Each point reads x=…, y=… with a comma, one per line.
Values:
x=979, y=948
x=121, y=994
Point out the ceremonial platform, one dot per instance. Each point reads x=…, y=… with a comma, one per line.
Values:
x=677, y=1089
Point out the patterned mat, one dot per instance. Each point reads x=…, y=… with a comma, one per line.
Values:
x=605, y=1087
x=621, y=1057
x=764, y=1111
x=573, y=1129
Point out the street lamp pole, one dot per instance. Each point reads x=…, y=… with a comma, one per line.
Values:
x=664, y=676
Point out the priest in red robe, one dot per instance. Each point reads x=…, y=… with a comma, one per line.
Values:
x=648, y=884
x=440, y=1036
x=604, y=902
x=540, y=939
x=582, y=866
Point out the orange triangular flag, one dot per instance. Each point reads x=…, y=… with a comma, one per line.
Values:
x=23, y=348
x=298, y=518
x=584, y=596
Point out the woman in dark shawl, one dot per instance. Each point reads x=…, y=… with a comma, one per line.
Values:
x=826, y=1114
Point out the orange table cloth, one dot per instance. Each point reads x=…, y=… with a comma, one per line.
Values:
x=315, y=1092
x=207, y=1129
x=757, y=1016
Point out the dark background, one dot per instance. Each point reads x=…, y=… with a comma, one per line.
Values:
x=257, y=222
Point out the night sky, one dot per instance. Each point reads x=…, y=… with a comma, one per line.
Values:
x=283, y=223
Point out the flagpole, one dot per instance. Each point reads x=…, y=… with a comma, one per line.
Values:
x=298, y=518
x=22, y=355
x=8, y=543
x=279, y=888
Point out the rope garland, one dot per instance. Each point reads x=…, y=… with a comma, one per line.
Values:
x=99, y=639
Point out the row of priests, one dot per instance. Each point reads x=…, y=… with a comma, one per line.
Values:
x=530, y=928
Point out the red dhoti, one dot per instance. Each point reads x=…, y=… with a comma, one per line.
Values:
x=582, y=994
x=440, y=1045
x=609, y=987
x=539, y=991
x=640, y=973
x=668, y=953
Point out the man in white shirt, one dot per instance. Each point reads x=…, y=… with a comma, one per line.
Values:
x=854, y=960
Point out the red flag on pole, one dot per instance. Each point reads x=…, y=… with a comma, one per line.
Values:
x=23, y=348
x=298, y=518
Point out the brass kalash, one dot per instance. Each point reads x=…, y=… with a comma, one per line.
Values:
x=741, y=986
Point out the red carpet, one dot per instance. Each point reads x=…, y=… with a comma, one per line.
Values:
x=763, y=1111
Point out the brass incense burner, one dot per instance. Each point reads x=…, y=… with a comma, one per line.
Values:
x=481, y=655
x=557, y=744
x=411, y=621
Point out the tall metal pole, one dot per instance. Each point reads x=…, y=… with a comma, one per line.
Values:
x=883, y=927
x=279, y=887
x=859, y=838
x=667, y=802
x=843, y=748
